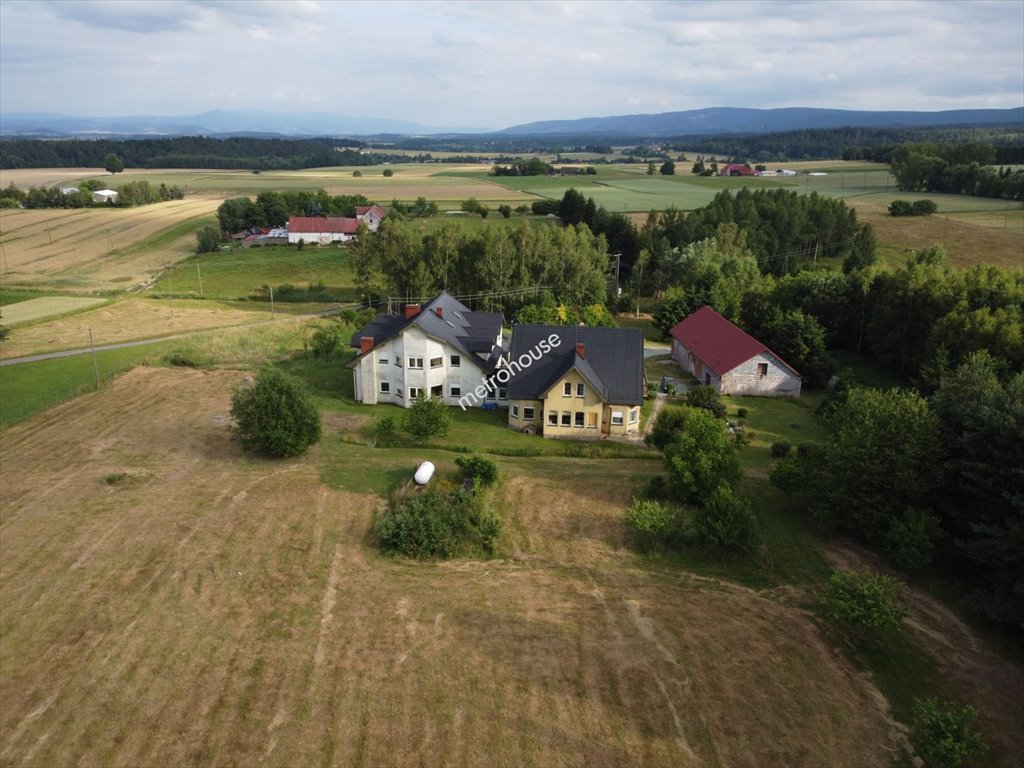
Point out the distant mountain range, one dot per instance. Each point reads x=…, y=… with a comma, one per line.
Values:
x=715, y=120
x=218, y=122
x=718, y=120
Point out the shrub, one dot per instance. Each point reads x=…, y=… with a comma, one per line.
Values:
x=657, y=488
x=780, y=450
x=923, y=208
x=911, y=538
x=275, y=416
x=441, y=522
x=654, y=521
x=700, y=457
x=899, y=208
x=726, y=522
x=706, y=397
x=357, y=174
x=544, y=207
x=789, y=476
x=505, y=211
x=325, y=341
x=943, y=734
x=670, y=420
x=741, y=413
x=478, y=468
x=385, y=429
x=427, y=417
x=867, y=600
x=388, y=173
x=207, y=239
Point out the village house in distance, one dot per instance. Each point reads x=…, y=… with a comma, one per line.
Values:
x=720, y=354
x=324, y=230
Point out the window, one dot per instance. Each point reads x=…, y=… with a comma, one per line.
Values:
x=415, y=362
x=634, y=414
x=385, y=387
x=383, y=359
x=707, y=379
x=528, y=413
x=437, y=391
x=455, y=361
x=616, y=418
x=515, y=411
x=502, y=393
x=566, y=418
x=436, y=362
x=567, y=389
x=762, y=370
x=399, y=392
x=456, y=390
x=398, y=362
x=580, y=390
x=578, y=420
x=553, y=418
x=415, y=392
x=592, y=420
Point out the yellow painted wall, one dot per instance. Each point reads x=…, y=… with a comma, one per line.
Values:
x=590, y=403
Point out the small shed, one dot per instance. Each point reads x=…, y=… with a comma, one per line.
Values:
x=104, y=196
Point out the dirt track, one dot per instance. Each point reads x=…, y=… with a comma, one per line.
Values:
x=167, y=600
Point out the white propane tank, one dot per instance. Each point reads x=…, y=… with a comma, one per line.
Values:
x=423, y=473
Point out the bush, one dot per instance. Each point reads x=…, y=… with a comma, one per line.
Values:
x=442, y=522
x=943, y=734
x=741, y=413
x=478, y=468
x=726, y=522
x=275, y=416
x=657, y=488
x=910, y=541
x=357, y=174
x=656, y=523
x=207, y=239
x=427, y=417
x=325, y=341
x=544, y=207
x=789, y=476
x=900, y=208
x=867, y=600
x=505, y=211
x=780, y=450
x=669, y=422
x=700, y=457
x=706, y=397
x=923, y=208
x=385, y=430
x=388, y=173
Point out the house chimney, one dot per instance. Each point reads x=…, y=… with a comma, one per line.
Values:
x=581, y=348
x=365, y=344
x=440, y=312
x=411, y=310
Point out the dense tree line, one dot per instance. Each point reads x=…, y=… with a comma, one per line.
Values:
x=959, y=169
x=130, y=194
x=505, y=267
x=273, y=209
x=532, y=167
x=181, y=152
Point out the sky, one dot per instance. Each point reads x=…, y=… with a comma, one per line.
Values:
x=494, y=64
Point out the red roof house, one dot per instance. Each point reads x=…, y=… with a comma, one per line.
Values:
x=321, y=229
x=720, y=354
x=735, y=169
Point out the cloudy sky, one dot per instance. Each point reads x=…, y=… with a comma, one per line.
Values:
x=495, y=64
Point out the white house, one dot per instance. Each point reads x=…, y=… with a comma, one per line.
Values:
x=370, y=215
x=442, y=349
x=321, y=230
x=104, y=196
x=720, y=354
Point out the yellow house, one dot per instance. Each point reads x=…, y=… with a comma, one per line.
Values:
x=575, y=382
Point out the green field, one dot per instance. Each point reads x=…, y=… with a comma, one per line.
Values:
x=46, y=307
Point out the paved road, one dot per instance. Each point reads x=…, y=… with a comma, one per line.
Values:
x=143, y=342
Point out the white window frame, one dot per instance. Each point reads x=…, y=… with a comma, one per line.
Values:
x=455, y=361
x=456, y=390
x=552, y=418
x=618, y=418
x=579, y=420
x=415, y=392
x=515, y=411
x=581, y=390
x=634, y=415
x=439, y=359
x=529, y=413
x=416, y=363
x=567, y=389
x=385, y=387
x=503, y=393
x=566, y=419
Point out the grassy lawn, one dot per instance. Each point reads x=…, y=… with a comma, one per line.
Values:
x=10, y=296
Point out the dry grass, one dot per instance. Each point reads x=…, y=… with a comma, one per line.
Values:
x=167, y=600
x=98, y=249
x=127, y=320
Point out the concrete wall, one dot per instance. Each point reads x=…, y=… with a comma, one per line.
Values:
x=764, y=375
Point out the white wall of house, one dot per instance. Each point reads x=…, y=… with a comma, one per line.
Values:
x=319, y=238
x=397, y=362
x=763, y=374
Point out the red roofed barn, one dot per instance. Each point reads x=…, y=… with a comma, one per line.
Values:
x=321, y=230
x=718, y=353
x=736, y=169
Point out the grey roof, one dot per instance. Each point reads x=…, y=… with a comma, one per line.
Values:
x=472, y=333
x=613, y=361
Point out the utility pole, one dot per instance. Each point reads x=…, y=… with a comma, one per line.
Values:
x=7, y=269
x=271, y=301
x=618, y=258
x=95, y=368
x=200, y=275
x=110, y=243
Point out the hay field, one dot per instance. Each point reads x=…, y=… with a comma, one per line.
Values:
x=94, y=249
x=46, y=306
x=127, y=320
x=168, y=600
